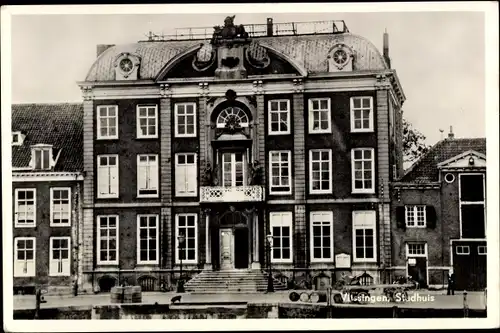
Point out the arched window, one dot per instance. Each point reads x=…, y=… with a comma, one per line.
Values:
x=234, y=114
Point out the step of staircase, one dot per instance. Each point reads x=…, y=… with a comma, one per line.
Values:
x=243, y=281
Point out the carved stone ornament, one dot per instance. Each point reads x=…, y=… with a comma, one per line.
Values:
x=257, y=56
x=340, y=58
x=127, y=66
x=87, y=93
x=204, y=58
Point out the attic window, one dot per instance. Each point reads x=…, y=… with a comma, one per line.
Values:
x=17, y=139
x=42, y=158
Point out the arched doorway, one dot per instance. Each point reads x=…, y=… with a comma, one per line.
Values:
x=106, y=283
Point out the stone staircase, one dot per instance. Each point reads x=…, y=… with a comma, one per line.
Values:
x=231, y=281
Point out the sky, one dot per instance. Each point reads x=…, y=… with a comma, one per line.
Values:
x=439, y=56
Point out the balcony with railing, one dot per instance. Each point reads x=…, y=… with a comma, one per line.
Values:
x=215, y=194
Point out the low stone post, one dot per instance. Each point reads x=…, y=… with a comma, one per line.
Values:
x=466, y=305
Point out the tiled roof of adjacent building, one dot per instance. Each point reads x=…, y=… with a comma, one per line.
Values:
x=59, y=125
x=425, y=169
x=308, y=52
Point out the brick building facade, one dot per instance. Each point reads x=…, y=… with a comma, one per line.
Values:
x=439, y=216
x=46, y=190
x=225, y=140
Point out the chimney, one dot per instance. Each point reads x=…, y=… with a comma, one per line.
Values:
x=103, y=47
x=451, y=135
x=386, y=49
x=269, y=26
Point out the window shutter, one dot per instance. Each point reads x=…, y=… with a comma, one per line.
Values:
x=46, y=159
x=400, y=217
x=431, y=217
x=180, y=179
x=191, y=178
x=141, y=176
x=19, y=268
x=114, y=178
x=53, y=266
x=66, y=264
x=103, y=179
x=153, y=176
x=38, y=159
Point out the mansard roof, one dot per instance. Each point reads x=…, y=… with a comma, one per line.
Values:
x=306, y=52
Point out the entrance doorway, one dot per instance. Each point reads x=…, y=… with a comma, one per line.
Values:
x=416, y=254
x=241, y=248
x=469, y=264
x=233, y=248
x=226, y=249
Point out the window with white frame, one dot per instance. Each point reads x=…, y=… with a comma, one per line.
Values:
x=463, y=250
x=147, y=175
x=185, y=119
x=186, y=175
x=107, y=176
x=319, y=115
x=481, y=250
x=25, y=210
x=42, y=158
x=147, y=239
x=24, y=256
x=321, y=236
x=416, y=249
x=186, y=228
x=361, y=114
x=107, y=122
x=279, y=116
x=364, y=236
x=60, y=206
x=280, y=169
x=281, y=230
x=107, y=239
x=147, y=121
x=415, y=216
x=363, y=170
x=320, y=171
x=60, y=263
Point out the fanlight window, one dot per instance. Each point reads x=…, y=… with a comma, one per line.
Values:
x=232, y=114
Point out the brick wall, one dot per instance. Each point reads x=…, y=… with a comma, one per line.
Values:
x=43, y=231
x=383, y=173
x=299, y=147
x=165, y=151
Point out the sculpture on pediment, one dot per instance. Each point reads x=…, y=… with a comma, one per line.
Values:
x=229, y=30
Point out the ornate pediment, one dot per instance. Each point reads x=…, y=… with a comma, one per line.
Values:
x=467, y=160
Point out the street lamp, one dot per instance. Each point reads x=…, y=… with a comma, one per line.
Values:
x=180, y=282
x=270, y=285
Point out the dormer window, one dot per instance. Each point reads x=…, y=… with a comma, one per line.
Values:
x=42, y=157
x=17, y=138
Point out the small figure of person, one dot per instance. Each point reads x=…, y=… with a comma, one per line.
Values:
x=451, y=282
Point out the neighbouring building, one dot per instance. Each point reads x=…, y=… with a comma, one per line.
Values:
x=196, y=147
x=47, y=181
x=439, y=215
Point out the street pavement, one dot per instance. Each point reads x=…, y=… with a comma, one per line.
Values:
x=418, y=299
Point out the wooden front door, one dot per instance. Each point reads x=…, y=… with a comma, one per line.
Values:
x=469, y=265
x=226, y=249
